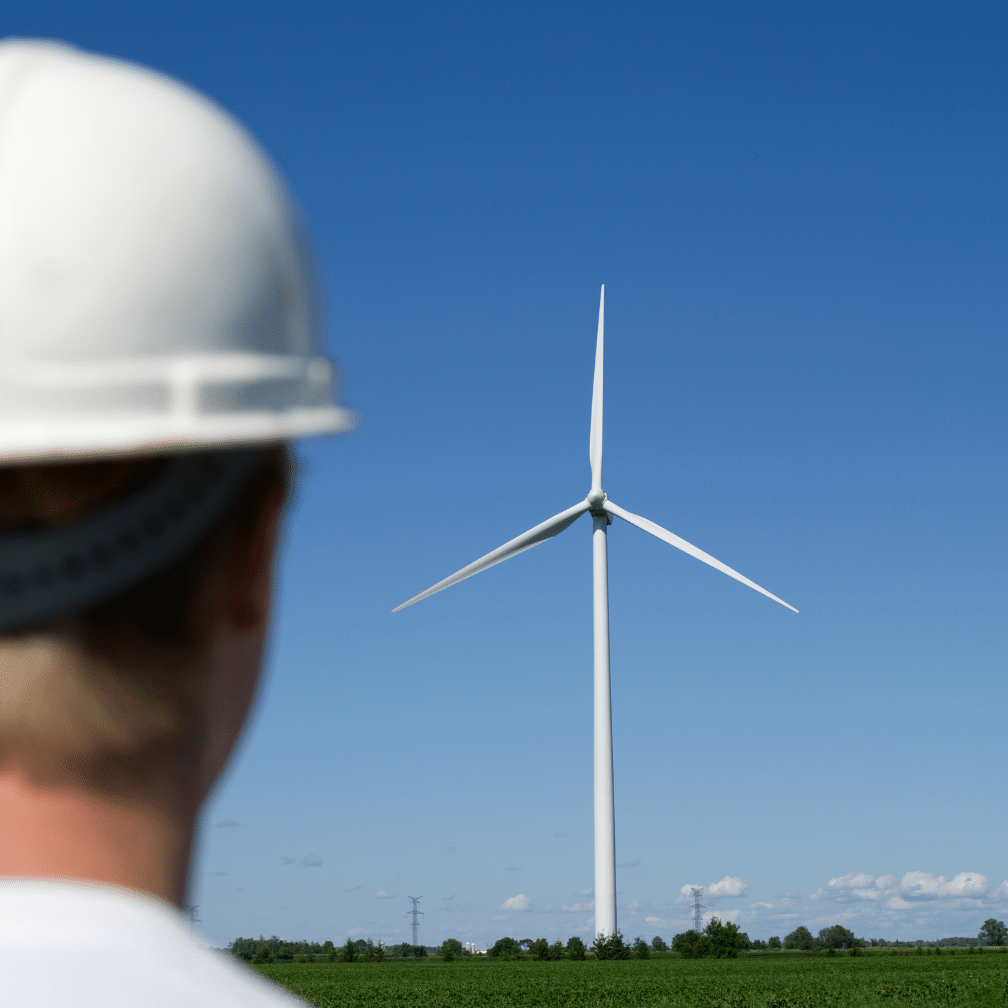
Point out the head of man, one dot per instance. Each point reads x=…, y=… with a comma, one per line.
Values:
x=159, y=348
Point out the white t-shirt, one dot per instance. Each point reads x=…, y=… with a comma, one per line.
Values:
x=66, y=944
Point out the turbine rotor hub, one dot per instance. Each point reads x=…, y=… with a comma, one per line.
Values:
x=595, y=501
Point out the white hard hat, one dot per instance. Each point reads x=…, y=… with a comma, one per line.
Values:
x=155, y=292
x=155, y=295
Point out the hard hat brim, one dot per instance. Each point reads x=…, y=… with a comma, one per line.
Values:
x=118, y=437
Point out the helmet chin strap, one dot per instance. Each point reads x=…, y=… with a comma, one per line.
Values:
x=57, y=571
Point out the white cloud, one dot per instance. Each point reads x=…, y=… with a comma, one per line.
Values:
x=654, y=921
x=311, y=861
x=383, y=894
x=1001, y=892
x=629, y=864
x=352, y=888
x=589, y=892
x=685, y=891
x=225, y=823
x=519, y=902
x=500, y=917
x=580, y=907
x=917, y=885
x=730, y=885
x=852, y=880
x=857, y=885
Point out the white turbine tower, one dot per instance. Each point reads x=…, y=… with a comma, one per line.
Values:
x=602, y=511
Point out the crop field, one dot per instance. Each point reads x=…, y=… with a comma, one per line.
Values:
x=746, y=982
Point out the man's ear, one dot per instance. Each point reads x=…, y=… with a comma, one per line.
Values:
x=245, y=606
x=250, y=567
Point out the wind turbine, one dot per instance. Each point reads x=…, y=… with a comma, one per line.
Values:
x=602, y=510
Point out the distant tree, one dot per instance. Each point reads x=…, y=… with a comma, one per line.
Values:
x=539, y=949
x=993, y=932
x=450, y=948
x=243, y=948
x=555, y=951
x=774, y=942
x=758, y=944
x=263, y=954
x=640, y=949
x=526, y=943
x=349, y=951
x=505, y=948
x=800, y=938
x=684, y=942
x=658, y=944
x=576, y=948
x=726, y=941
x=305, y=951
x=836, y=937
x=610, y=947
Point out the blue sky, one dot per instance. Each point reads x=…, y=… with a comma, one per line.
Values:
x=798, y=212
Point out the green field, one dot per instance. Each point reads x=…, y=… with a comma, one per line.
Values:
x=766, y=981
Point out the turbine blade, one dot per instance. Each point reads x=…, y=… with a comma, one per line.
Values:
x=674, y=540
x=595, y=441
x=525, y=541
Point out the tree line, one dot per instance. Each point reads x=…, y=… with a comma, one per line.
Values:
x=993, y=932
x=274, y=949
x=717, y=941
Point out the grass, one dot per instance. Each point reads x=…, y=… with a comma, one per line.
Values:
x=750, y=982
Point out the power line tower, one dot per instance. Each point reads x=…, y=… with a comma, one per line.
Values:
x=416, y=911
x=697, y=907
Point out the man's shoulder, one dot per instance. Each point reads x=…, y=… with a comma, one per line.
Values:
x=98, y=945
